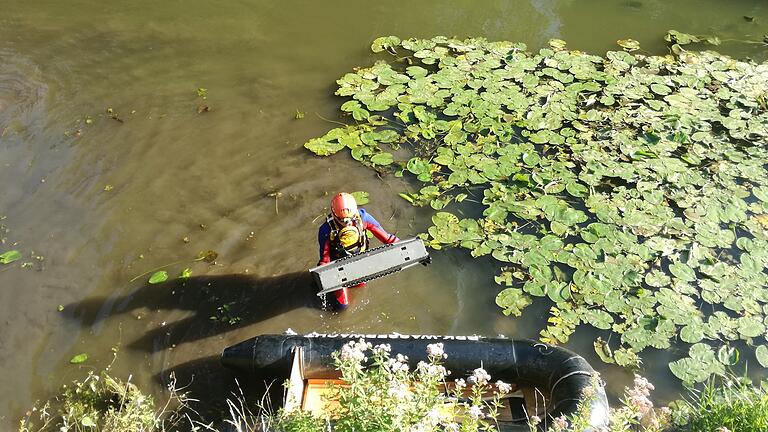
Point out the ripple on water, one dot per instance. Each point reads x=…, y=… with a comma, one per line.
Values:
x=22, y=93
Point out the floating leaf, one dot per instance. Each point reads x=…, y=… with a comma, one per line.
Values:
x=676, y=37
x=323, y=147
x=361, y=197
x=624, y=189
x=80, y=358
x=629, y=44
x=557, y=44
x=700, y=364
x=603, y=350
x=382, y=159
x=728, y=355
x=683, y=271
x=158, y=277
x=10, y=256
x=513, y=301
x=762, y=355
x=418, y=166
x=385, y=43
x=750, y=327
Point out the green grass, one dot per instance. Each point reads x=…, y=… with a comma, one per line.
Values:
x=735, y=404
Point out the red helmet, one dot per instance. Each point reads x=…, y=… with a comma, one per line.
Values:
x=344, y=206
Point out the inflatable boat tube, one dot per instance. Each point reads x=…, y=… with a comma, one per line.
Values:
x=556, y=371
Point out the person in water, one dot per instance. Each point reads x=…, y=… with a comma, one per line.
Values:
x=344, y=233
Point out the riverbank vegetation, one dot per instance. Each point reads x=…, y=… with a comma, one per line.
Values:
x=382, y=393
x=629, y=190
x=102, y=402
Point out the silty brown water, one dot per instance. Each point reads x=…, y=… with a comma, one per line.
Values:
x=94, y=202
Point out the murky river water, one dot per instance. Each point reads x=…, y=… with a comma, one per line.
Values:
x=94, y=202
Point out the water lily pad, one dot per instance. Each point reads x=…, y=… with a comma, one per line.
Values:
x=361, y=197
x=513, y=301
x=10, y=256
x=750, y=327
x=323, y=147
x=385, y=43
x=624, y=189
x=382, y=159
x=698, y=366
x=679, y=38
x=762, y=355
x=683, y=271
x=80, y=358
x=158, y=277
x=692, y=333
x=728, y=355
x=418, y=166
x=629, y=44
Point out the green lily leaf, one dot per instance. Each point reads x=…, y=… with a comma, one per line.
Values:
x=700, y=364
x=682, y=271
x=361, y=197
x=624, y=189
x=323, y=147
x=728, y=355
x=382, y=159
x=762, y=355
x=158, y=277
x=10, y=256
x=385, y=43
x=80, y=358
x=513, y=301
x=629, y=44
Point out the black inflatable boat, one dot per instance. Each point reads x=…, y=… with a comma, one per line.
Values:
x=550, y=379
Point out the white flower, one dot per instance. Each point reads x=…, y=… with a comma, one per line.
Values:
x=479, y=376
x=436, y=350
x=460, y=384
x=534, y=420
x=503, y=387
x=398, y=390
x=451, y=427
x=475, y=412
x=434, y=417
x=433, y=370
x=381, y=349
x=355, y=351
x=560, y=423
x=723, y=429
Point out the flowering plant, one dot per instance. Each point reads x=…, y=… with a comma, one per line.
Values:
x=636, y=413
x=383, y=393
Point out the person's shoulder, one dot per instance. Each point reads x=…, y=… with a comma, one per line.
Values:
x=367, y=217
x=364, y=214
x=324, y=227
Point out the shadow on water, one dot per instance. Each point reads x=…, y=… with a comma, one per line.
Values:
x=218, y=304
x=234, y=301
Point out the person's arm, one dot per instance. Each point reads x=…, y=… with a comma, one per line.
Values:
x=323, y=238
x=382, y=235
x=372, y=225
